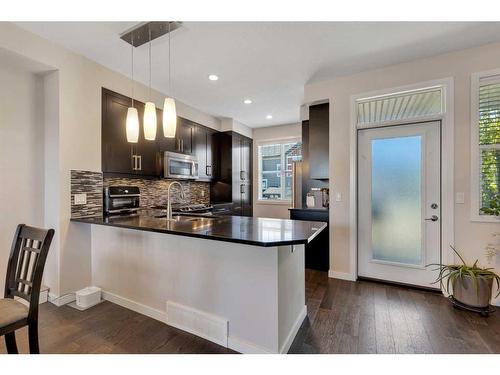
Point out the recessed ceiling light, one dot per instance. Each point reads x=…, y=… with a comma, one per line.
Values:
x=247, y=101
x=269, y=117
x=213, y=77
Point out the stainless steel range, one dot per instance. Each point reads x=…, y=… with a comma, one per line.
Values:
x=189, y=209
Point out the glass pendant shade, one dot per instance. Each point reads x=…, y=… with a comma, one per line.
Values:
x=132, y=125
x=169, y=118
x=150, y=121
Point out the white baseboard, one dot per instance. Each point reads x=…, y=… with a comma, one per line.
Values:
x=341, y=275
x=293, y=332
x=62, y=300
x=243, y=346
x=135, y=306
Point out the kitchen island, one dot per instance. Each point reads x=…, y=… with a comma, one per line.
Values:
x=237, y=281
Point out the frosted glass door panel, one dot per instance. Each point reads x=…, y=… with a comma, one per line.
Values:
x=396, y=200
x=398, y=203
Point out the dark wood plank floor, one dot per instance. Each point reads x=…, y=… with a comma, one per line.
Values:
x=343, y=317
x=367, y=317
x=108, y=328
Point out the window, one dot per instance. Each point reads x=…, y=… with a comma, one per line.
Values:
x=275, y=169
x=402, y=106
x=485, y=148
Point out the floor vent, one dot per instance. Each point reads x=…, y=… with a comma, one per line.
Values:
x=199, y=323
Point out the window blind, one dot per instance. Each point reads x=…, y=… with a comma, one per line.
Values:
x=489, y=143
x=399, y=106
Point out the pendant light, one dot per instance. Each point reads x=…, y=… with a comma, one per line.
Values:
x=132, y=123
x=150, y=109
x=169, y=111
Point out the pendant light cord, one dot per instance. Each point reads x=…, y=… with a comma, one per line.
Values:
x=149, y=27
x=132, y=69
x=169, y=64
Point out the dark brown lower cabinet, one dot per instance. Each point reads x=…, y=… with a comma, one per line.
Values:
x=317, y=252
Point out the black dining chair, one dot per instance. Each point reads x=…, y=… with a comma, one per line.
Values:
x=24, y=277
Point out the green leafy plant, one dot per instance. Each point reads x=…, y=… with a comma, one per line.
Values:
x=494, y=206
x=454, y=272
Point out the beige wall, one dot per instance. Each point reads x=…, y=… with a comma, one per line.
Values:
x=470, y=237
x=75, y=120
x=21, y=154
x=276, y=209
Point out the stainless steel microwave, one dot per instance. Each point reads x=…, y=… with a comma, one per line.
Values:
x=180, y=166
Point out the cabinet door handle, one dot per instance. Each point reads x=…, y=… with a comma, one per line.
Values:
x=132, y=159
x=139, y=159
x=242, y=189
x=242, y=175
x=208, y=170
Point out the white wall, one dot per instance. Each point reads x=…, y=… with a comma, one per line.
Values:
x=228, y=124
x=470, y=237
x=21, y=153
x=272, y=133
x=76, y=120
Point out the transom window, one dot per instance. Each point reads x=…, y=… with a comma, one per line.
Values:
x=275, y=169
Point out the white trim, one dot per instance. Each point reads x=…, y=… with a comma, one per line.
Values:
x=243, y=346
x=280, y=140
x=341, y=275
x=62, y=300
x=293, y=332
x=135, y=306
x=474, y=146
x=278, y=202
x=447, y=165
x=233, y=342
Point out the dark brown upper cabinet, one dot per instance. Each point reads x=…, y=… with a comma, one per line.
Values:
x=205, y=151
x=318, y=141
x=118, y=155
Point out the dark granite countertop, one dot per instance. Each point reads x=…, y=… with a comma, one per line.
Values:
x=322, y=209
x=246, y=230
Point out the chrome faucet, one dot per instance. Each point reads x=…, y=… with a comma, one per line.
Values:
x=169, y=206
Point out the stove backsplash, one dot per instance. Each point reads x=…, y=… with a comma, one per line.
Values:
x=154, y=192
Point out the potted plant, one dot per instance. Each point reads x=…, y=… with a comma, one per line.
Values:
x=471, y=286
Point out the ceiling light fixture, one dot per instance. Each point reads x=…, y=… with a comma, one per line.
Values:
x=169, y=110
x=132, y=123
x=247, y=101
x=213, y=77
x=269, y=117
x=150, y=108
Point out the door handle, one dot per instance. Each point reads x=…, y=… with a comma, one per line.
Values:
x=432, y=218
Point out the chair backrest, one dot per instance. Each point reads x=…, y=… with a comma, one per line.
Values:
x=26, y=263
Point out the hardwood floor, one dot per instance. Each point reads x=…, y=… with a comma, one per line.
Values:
x=343, y=317
x=369, y=317
x=108, y=328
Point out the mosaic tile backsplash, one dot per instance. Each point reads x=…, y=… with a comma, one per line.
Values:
x=89, y=183
x=154, y=192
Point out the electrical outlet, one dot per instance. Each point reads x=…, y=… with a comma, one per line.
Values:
x=203, y=193
x=80, y=198
x=338, y=197
x=460, y=198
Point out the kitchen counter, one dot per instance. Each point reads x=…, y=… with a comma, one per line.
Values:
x=256, y=231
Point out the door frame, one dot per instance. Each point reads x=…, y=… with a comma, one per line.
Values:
x=447, y=165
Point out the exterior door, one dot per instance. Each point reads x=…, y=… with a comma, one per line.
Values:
x=399, y=206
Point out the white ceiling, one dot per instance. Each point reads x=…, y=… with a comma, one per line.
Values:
x=268, y=62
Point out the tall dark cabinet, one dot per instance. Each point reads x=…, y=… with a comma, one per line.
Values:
x=318, y=141
x=234, y=173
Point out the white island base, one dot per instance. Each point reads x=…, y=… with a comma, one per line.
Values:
x=248, y=298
